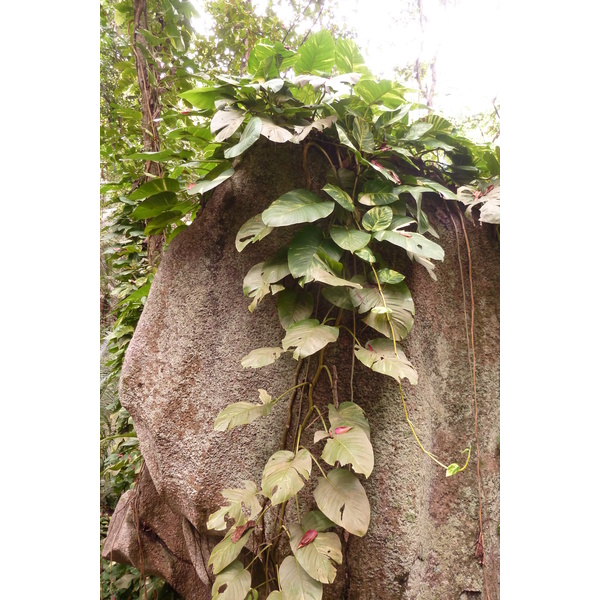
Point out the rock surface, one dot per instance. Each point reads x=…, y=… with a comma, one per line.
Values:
x=183, y=367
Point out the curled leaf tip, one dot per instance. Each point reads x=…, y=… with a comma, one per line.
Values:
x=307, y=538
x=343, y=429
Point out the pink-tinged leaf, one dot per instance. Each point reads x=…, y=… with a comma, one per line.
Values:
x=185, y=112
x=374, y=162
x=343, y=429
x=370, y=348
x=489, y=189
x=404, y=233
x=307, y=538
x=396, y=178
x=190, y=186
x=239, y=531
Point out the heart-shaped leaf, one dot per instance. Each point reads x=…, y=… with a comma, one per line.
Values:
x=226, y=551
x=412, y=242
x=378, y=193
x=282, y=475
x=379, y=356
x=214, y=178
x=250, y=134
x=261, y=357
x=350, y=446
x=397, y=299
x=242, y=413
x=297, y=206
x=348, y=413
x=349, y=239
x=273, y=132
x=232, y=583
x=296, y=583
x=308, y=337
x=228, y=121
x=340, y=196
x=378, y=218
x=315, y=519
x=342, y=498
x=156, y=186
x=293, y=307
x=154, y=205
x=315, y=552
x=316, y=54
x=238, y=498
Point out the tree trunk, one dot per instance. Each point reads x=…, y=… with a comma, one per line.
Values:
x=150, y=106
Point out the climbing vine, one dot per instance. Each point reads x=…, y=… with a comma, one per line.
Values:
x=382, y=162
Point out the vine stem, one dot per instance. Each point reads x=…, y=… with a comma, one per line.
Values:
x=316, y=461
x=290, y=390
x=387, y=314
x=257, y=556
x=305, y=161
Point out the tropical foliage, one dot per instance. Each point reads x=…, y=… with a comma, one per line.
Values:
x=384, y=156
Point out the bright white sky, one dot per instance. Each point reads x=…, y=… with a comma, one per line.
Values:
x=463, y=33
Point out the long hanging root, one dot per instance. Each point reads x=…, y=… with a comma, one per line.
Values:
x=471, y=342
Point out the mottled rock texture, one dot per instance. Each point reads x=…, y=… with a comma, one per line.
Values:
x=183, y=367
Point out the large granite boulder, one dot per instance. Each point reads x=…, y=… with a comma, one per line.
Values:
x=183, y=367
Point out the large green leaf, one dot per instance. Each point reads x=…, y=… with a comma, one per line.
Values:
x=349, y=239
x=412, y=242
x=226, y=551
x=253, y=230
x=316, y=558
x=348, y=58
x=293, y=307
x=257, y=283
x=297, y=206
x=378, y=193
x=317, y=54
x=340, y=196
x=378, y=218
x=398, y=300
x=261, y=357
x=443, y=191
x=155, y=187
x=417, y=131
x=384, y=91
x=242, y=413
x=227, y=121
x=237, y=497
x=309, y=336
x=350, y=447
x=348, y=414
x=338, y=296
x=282, y=476
x=275, y=133
x=315, y=519
x=234, y=583
x=379, y=356
x=296, y=583
x=342, y=498
x=155, y=205
x=312, y=257
x=214, y=178
x=363, y=135
x=204, y=98
x=250, y=134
